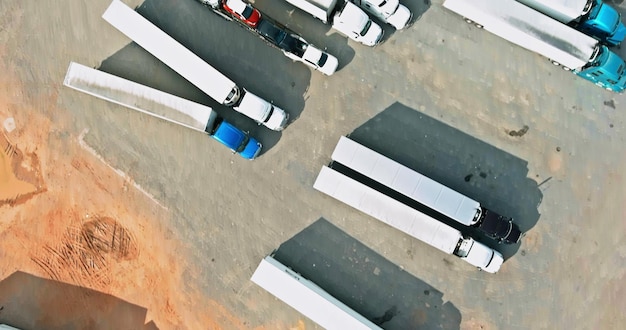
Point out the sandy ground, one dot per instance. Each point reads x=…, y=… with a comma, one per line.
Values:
x=112, y=220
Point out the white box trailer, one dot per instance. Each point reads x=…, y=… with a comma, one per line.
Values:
x=424, y=190
x=307, y=298
x=530, y=29
x=407, y=219
x=162, y=105
x=139, y=97
x=191, y=67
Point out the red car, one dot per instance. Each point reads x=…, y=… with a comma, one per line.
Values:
x=243, y=11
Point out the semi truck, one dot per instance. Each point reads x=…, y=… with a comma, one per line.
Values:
x=307, y=298
x=193, y=68
x=391, y=12
x=561, y=44
x=406, y=219
x=345, y=17
x=162, y=105
x=592, y=17
x=425, y=191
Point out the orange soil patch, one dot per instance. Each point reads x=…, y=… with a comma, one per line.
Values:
x=67, y=217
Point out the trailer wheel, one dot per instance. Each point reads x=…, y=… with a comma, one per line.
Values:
x=478, y=26
x=468, y=21
x=566, y=68
x=555, y=62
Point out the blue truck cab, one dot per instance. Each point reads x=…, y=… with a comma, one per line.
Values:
x=606, y=70
x=604, y=23
x=234, y=138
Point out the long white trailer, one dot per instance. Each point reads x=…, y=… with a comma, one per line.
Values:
x=307, y=298
x=530, y=29
x=424, y=190
x=162, y=105
x=192, y=67
x=406, y=219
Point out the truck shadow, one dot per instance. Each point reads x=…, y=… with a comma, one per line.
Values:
x=365, y=281
x=498, y=180
x=31, y=302
x=310, y=28
x=229, y=48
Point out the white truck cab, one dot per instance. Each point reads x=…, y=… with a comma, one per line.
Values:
x=389, y=11
x=356, y=25
x=261, y=111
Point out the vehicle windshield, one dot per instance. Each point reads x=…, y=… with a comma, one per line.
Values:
x=366, y=28
x=243, y=144
x=323, y=59
x=247, y=12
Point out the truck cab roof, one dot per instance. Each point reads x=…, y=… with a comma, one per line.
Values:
x=235, y=139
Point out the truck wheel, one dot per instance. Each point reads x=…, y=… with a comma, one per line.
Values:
x=566, y=68
x=478, y=26
x=468, y=21
x=555, y=63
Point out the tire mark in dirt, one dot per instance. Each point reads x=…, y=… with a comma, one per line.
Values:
x=20, y=174
x=86, y=253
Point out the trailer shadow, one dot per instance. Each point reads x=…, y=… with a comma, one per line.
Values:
x=495, y=178
x=365, y=281
x=31, y=302
x=228, y=47
x=311, y=29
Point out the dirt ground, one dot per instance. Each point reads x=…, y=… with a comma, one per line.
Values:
x=68, y=217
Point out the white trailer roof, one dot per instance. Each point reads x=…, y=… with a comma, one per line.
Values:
x=562, y=10
x=318, y=8
x=387, y=210
x=307, y=298
x=528, y=28
x=169, y=51
x=138, y=97
x=405, y=181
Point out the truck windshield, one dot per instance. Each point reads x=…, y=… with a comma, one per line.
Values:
x=243, y=144
x=323, y=59
x=366, y=28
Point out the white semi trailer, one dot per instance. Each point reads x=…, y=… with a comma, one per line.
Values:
x=530, y=29
x=161, y=105
x=425, y=191
x=308, y=298
x=406, y=219
x=192, y=67
x=345, y=17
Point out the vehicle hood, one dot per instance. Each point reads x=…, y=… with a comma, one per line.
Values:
x=314, y=55
x=484, y=258
x=401, y=18
x=252, y=149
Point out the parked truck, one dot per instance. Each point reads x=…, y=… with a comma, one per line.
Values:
x=192, y=67
x=561, y=44
x=425, y=191
x=345, y=17
x=406, y=219
x=592, y=17
x=162, y=105
x=389, y=11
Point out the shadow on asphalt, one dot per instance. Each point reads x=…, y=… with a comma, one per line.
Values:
x=231, y=49
x=365, y=281
x=31, y=302
x=495, y=178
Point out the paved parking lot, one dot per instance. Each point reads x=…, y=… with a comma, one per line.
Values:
x=487, y=118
